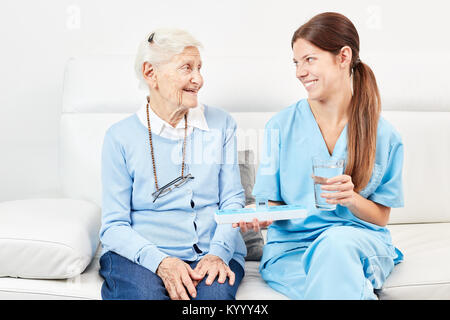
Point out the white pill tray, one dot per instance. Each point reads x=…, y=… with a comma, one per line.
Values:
x=262, y=214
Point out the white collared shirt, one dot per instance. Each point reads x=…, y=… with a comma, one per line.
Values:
x=195, y=118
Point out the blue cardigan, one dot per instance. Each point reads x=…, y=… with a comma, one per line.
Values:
x=146, y=232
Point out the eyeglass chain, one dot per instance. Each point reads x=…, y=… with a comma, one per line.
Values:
x=151, y=147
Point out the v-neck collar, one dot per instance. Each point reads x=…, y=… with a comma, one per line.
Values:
x=341, y=143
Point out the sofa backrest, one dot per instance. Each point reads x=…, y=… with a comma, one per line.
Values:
x=101, y=90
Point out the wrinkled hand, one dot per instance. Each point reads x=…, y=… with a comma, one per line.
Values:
x=214, y=266
x=177, y=277
x=343, y=187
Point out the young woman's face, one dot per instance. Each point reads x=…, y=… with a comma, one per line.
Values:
x=317, y=70
x=179, y=80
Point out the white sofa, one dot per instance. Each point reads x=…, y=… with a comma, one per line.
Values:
x=99, y=91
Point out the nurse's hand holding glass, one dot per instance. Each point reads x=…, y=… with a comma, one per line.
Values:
x=340, y=190
x=331, y=186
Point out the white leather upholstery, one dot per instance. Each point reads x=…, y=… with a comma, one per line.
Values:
x=99, y=91
x=424, y=273
x=101, y=84
x=426, y=137
x=80, y=153
x=47, y=238
x=85, y=286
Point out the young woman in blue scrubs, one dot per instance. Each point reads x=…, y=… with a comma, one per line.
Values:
x=345, y=253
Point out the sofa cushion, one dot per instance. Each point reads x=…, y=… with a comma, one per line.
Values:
x=47, y=238
x=253, y=287
x=85, y=286
x=425, y=271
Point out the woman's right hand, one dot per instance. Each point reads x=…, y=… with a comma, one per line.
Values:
x=256, y=225
x=178, y=276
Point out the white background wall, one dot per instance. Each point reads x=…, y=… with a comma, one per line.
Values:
x=37, y=37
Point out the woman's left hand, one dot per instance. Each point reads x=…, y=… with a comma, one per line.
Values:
x=343, y=187
x=256, y=225
x=214, y=266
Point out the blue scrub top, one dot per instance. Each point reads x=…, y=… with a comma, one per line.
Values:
x=292, y=138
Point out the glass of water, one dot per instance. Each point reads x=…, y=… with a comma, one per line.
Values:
x=324, y=169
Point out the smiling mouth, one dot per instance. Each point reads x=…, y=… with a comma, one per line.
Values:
x=191, y=91
x=310, y=83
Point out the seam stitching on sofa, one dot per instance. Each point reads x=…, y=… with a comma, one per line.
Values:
x=35, y=240
x=417, y=285
x=43, y=293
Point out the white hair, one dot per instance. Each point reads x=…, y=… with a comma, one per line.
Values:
x=166, y=43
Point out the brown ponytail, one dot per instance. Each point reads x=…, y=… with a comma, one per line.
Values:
x=365, y=108
x=331, y=31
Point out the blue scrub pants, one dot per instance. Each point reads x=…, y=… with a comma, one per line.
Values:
x=343, y=262
x=126, y=280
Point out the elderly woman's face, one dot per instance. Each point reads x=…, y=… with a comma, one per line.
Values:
x=179, y=80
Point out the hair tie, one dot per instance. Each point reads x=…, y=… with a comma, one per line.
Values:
x=358, y=61
x=150, y=39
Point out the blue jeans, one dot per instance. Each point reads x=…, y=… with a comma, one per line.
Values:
x=127, y=280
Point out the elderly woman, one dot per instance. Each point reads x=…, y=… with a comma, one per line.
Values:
x=165, y=170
